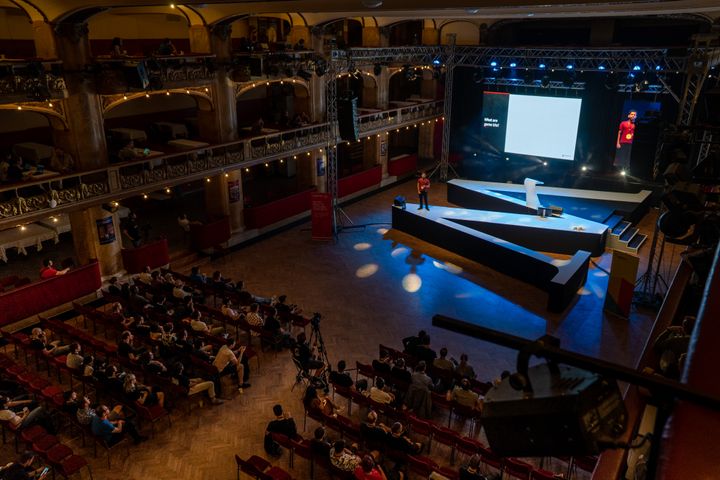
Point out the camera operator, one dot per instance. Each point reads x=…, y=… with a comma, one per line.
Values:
x=306, y=355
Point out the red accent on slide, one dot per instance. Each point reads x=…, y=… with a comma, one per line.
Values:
x=495, y=93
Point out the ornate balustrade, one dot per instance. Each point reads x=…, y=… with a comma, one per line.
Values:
x=49, y=195
x=22, y=81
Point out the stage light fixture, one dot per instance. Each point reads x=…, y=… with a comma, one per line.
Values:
x=544, y=164
x=513, y=64
x=601, y=67
x=623, y=172
x=493, y=63
x=569, y=66
x=658, y=68
x=584, y=168
x=541, y=66
x=636, y=68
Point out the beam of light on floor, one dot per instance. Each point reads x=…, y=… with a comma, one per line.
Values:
x=362, y=246
x=400, y=251
x=367, y=270
x=382, y=231
x=411, y=282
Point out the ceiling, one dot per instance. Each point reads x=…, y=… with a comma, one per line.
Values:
x=316, y=11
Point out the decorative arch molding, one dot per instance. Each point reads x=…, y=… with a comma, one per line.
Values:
x=31, y=10
x=228, y=20
x=302, y=23
x=55, y=113
x=366, y=76
x=243, y=87
x=192, y=15
x=202, y=95
x=450, y=22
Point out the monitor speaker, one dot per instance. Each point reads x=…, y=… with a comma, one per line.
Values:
x=347, y=119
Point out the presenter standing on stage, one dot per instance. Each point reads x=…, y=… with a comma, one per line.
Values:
x=626, y=133
x=423, y=185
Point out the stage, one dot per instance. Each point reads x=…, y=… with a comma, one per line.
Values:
x=496, y=229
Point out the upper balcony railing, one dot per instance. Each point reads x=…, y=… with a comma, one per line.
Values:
x=51, y=194
x=24, y=80
x=123, y=74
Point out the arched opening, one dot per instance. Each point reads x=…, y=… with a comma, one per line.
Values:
x=279, y=104
x=24, y=134
x=157, y=124
x=466, y=33
x=406, y=33
x=260, y=34
x=361, y=86
x=141, y=30
x=405, y=83
x=342, y=33
x=16, y=34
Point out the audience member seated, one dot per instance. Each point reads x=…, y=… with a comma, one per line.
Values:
x=442, y=362
x=254, y=318
x=74, y=360
x=227, y=362
x=257, y=126
x=383, y=365
x=401, y=373
x=379, y=394
x=114, y=286
x=184, y=222
x=166, y=47
x=194, y=385
x=400, y=441
x=671, y=344
x=39, y=340
x=125, y=346
x=117, y=48
x=373, y=431
x=148, y=362
x=48, y=271
x=128, y=152
x=112, y=431
x=320, y=445
x=369, y=470
x=424, y=352
x=299, y=45
x=140, y=393
x=464, y=396
x=221, y=283
x=471, y=470
x=196, y=276
x=273, y=327
x=341, y=377
x=198, y=325
x=409, y=343
x=61, y=162
x=342, y=458
x=26, y=417
x=282, y=424
x=22, y=468
x=464, y=369
x=418, y=396
x=312, y=401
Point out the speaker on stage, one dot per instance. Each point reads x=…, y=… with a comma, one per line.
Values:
x=347, y=119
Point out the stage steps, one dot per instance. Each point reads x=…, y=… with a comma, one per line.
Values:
x=623, y=236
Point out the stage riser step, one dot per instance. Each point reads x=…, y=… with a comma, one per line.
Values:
x=613, y=221
x=620, y=228
x=628, y=234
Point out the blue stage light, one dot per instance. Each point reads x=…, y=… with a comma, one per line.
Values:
x=493, y=63
x=513, y=64
x=569, y=66
x=541, y=66
x=658, y=67
x=601, y=67
x=436, y=62
x=636, y=68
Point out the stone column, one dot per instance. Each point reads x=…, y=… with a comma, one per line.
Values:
x=428, y=85
x=383, y=88
x=430, y=36
x=224, y=197
x=383, y=145
x=86, y=238
x=84, y=137
x=44, y=38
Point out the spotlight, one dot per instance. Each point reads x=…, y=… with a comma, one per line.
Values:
x=541, y=66
x=623, y=172
x=636, y=68
x=658, y=68
x=513, y=64
x=493, y=63
x=544, y=164
x=584, y=168
x=399, y=202
x=601, y=67
x=569, y=66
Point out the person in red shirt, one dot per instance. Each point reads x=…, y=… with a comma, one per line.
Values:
x=423, y=185
x=623, y=143
x=369, y=470
x=48, y=271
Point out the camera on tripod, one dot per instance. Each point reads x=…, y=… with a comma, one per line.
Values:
x=315, y=320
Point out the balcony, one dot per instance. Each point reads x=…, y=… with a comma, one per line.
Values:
x=252, y=66
x=26, y=80
x=120, y=75
x=34, y=199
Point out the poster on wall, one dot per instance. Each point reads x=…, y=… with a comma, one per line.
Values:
x=383, y=149
x=106, y=230
x=234, y=191
x=320, y=164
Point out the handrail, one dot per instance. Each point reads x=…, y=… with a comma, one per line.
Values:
x=29, y=201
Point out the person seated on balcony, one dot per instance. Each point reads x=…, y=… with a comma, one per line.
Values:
x=61, y=162
x=400, y=372
x=382, y=365
x=74, y=360
x=166, y=47
x=425, y=352
x=15, y=170
x=27, y=417
x=442, y=362
x=150, y=364
x=39, y=339
x=257, y=127
x=48, y=271
x=299, y=45
x=411, y=342
x=126, y=348
x=117, y=50
x=128, y=152
x=340, y=377
x=198, y=325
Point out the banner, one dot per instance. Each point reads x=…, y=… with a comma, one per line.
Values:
x=106, y=230
x=621, y=285
x=233, y=191
x=322, y=216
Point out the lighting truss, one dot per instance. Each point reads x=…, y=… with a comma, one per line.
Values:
x=519, y=82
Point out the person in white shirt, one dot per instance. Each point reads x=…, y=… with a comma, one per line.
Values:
x=197, y=324
x=226, y=361
x=74, y=360
x=146, y=276
x=253, y=317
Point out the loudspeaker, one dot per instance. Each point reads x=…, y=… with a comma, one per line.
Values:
x=347, y=119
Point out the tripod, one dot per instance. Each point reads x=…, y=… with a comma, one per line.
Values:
x=317, y=340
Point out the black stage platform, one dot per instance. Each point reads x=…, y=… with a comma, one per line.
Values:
x=496, y=229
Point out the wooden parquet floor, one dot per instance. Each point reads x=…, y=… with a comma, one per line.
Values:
x=371, y=287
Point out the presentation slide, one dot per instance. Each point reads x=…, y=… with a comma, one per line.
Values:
x=531, y=125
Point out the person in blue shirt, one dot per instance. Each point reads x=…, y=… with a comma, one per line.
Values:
x=112, y=431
